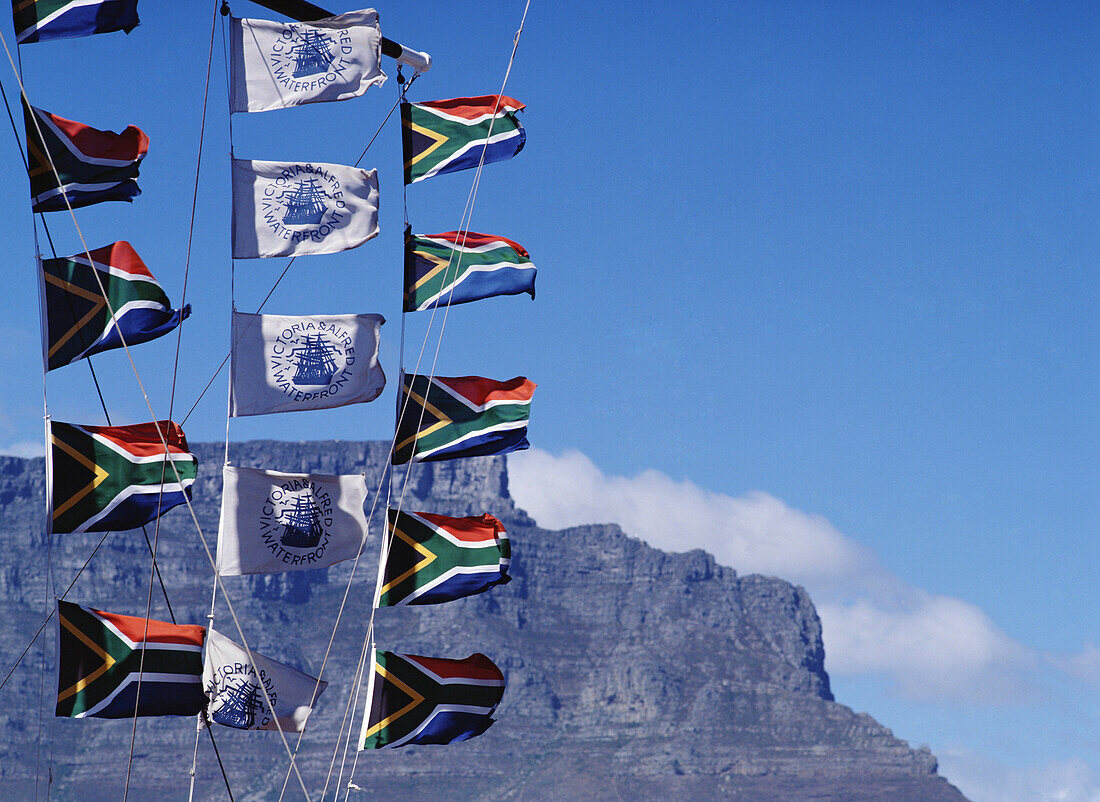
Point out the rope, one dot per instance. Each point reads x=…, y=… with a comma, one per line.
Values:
x=18, y=76
x=14, y=127
x=219, y=585
x=175, y=370
x=466, y=216
x=144, y=636
x=125, y=347
x=79, y=231
x=232, y=259
x=194, y=758
x=49, y=616
x=48, y=585
x=353, y=705
x=91, y=369
x=349, y=710
x=155, y=569
x=374, y=503
x=41, y=697
x=274, y=286
x=206, y=95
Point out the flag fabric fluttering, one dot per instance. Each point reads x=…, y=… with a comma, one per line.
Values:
x=40, y=20
x=428, y=700
x=94, y=166
x=293, y=209
x=232, y=679
x=445, y=136
x=463, y=416
x=432, y=559
x=102, y=478
x=276, y=65
x=273, y=522
x=100, y=659
x=78, y=321
x=290, y=363
x=457, y=267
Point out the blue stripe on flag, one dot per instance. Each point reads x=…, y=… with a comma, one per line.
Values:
x=85, y=20
x=451, y=726
x=499, y=151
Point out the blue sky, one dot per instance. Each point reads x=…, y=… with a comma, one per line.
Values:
x=817, y=283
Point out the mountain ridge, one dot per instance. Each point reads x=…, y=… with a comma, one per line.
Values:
x=631, y=671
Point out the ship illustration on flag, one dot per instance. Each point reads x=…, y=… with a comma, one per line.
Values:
x=316, y=362
x=302, y=524
x=304, y=205
x=239, y=704
x=312, y=55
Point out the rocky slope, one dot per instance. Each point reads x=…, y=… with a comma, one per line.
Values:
x=632, y=673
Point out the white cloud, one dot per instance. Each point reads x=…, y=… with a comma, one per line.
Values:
x=24, y=448
x=933, y=648
x=928, y=647
x=754, y=533
x=1085, y=665
x=985, y=780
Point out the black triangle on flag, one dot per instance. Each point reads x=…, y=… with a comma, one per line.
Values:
x=416, y=141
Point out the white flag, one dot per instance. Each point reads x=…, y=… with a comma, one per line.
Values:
x=273, y=522
x=289, y=208
x=281, y=64
x=232, y=683
x=285, y=364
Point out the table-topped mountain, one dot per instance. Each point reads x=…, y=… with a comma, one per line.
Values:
x=631, y=673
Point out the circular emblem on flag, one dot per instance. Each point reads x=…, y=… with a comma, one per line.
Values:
x=304, y=202
x=312, y=360
x=304, y=59
x=295, y=521
x=236, y=698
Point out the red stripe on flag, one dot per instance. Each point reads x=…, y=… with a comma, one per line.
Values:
x=141, y=439
x=477, y=667
x=480, y=391
x=121, y=256
x=131, y=145
x=133, y=628
x=469, y=530
x=473, y=107
x=475, y=240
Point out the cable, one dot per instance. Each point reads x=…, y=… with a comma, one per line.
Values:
x=122, y=339
x=467, y=215
x=274, y=286
x=50, y=615
x=155, y=569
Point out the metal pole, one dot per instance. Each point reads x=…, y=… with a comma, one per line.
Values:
x=303, y=11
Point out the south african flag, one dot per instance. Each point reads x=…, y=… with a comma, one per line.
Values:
x=94, y=166
x=39, y=20
x=436, y=558
x=104, y=478
x=445, y=136
x=461, y=416
x=457, y=267
x=101, y=658
x=79, y=322
x=428, y=700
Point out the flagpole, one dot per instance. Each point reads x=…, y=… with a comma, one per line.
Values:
x=303, y=11
x=202, y=714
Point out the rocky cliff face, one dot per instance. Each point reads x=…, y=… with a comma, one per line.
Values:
x=631, y=672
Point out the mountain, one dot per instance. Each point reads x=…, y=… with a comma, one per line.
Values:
x=632, y=673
